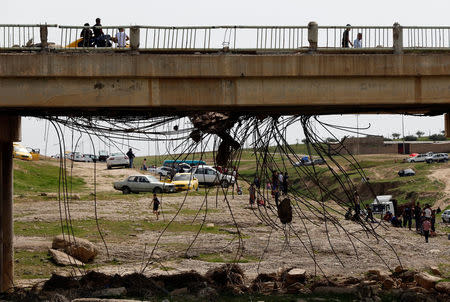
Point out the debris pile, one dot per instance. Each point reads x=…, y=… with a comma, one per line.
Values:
x=229, y=279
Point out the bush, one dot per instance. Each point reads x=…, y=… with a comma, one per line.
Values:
x=437, y=137
x=410, y=138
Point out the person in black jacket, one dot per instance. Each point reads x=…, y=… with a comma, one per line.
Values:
x=100, y=39
x=131, y=157
x=86, y=34
x=417, y=217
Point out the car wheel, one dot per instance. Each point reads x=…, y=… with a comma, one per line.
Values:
x=108, y=167
x=224, y=183
x=157, y=190
x=126, y=190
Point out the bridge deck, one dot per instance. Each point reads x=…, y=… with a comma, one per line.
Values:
x=148, y=83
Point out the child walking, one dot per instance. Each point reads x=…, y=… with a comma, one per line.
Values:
x=426, y=226
x=156, y=204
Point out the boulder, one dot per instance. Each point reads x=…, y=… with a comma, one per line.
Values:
x=295, y=275
x=79, y=248
x=443, y=287
x=388, y=284
x=62, y=258
x=435, y=271
x=110, y=292
x=426, y=280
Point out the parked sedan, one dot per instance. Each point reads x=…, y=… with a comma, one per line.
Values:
x=185, y=181
x=117, y=160
x=406, y=172
x=143, y=183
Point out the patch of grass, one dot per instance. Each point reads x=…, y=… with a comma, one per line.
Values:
x=32, y=265
x=112, y=230
x=33, y=177
x=225, y=258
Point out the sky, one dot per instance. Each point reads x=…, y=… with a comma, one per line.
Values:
x=232, y=12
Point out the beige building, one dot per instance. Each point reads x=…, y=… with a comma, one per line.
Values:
x=377, y=145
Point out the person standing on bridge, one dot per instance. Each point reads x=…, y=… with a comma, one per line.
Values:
x=131, y=157
x=121, y=38
x=100, y=39
x=358, y=41
x=346, y=37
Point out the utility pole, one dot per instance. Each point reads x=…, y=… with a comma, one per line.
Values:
x=403, y=133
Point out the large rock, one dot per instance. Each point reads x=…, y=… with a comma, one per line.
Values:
x=62, y=258
x=443, y=287
x=426, y=280
x=388, y=284
x=110, y=292
x=79, y=248
x=295, y=275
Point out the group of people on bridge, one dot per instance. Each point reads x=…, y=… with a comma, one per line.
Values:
x=95, y=37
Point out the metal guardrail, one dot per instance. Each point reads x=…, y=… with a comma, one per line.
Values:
x=21, y=36
x=198, y=38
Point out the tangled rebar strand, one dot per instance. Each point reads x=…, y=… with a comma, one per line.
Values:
x=310, y=202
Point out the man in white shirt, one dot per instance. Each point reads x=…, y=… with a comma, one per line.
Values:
x=121, y=38
x=358, y=41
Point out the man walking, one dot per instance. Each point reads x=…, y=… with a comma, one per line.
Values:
x=131, y=157
x=346, y=37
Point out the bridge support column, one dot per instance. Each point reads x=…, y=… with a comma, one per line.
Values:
x=397, y=38
x=313, y=36
x=134, y=37
x=447, y=124
x=9, y=133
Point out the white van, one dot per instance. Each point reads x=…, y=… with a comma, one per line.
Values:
x=382, y=204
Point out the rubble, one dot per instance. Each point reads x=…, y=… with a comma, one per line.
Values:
x=64, y=259
x=229, y=279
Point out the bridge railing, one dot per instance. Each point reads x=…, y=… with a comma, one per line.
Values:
x=200, y=38
x=416, y=37
x=23, y=36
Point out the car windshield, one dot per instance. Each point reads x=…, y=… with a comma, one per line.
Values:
x=151, y=178
x=182, y=177
x=20, y=149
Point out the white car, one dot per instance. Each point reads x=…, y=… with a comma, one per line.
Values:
x=207, y=175
x=163, y=171
x=446, y=216
x=437, y=158
x=77, y=156
x=418, y=158
x=117, y=160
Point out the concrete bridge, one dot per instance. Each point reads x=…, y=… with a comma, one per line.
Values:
x=174, y=75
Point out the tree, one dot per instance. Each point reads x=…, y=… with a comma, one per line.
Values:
x=305, y=141
x=395, y=135
x=419, y=134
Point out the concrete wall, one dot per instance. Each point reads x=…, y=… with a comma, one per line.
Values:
x=309, y=84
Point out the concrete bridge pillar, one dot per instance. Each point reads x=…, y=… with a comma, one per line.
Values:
x=398, y=38
x=134, y=37
x=313, y=35
x=447, y=124
x=9, y=133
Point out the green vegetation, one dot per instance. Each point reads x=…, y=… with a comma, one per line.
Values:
x=112, y=230
x=32, y=177
x=32, y=265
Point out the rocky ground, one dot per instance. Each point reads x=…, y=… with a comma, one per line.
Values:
x=231, y=231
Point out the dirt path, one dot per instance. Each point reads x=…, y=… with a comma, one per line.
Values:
x=442, y=174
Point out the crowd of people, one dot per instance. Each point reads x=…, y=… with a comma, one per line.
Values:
x=278, y=186
x=95, y=37
x=424, y=218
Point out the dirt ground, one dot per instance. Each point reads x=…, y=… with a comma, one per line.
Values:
x=347, y=249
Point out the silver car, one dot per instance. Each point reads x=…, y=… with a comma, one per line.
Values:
x=446, y=216
x=143, y=183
